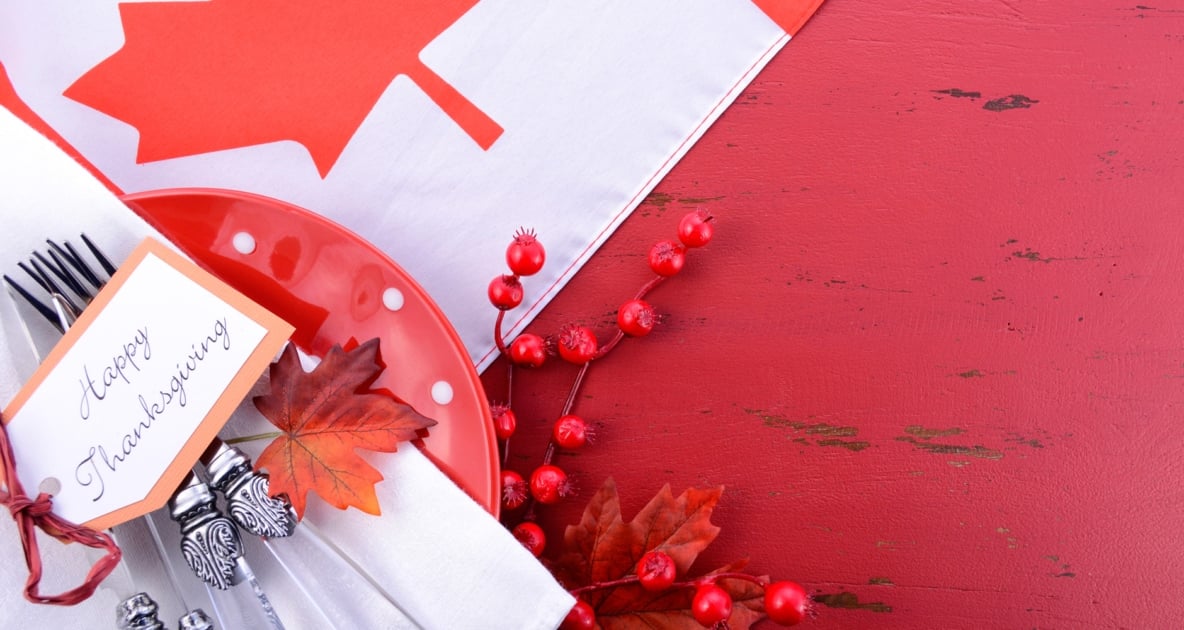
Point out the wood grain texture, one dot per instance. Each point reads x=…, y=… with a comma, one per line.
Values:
x=935, y=352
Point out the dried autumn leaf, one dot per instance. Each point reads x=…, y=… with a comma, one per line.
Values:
x=603, y=547
x=325, y=415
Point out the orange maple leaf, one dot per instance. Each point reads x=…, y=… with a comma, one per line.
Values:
x=325, y=415
x=196, y=77
x=604, y=547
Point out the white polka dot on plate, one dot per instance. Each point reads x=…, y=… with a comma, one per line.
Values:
x=442, y=392
x=243, y=243
x=392, y=299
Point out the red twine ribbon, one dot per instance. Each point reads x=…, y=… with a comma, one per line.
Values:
x=29, y=513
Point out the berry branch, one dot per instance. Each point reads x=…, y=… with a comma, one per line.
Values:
x=785, y=602
x=711, y=606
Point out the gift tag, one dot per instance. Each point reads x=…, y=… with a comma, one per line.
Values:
x=125, y=404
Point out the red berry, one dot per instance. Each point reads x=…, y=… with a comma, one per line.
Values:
x=570, y=432
x=636, y=318
x=581, y=617
x=525, y=255
x=528, y=350
x=504, y=422
x=656, y=571
x=577, y=344
x=505, y=292
x=548, y=483
x=786, y=603
x=531, y=536
x=696, y=228
x=667, y=258
x=514, y=490
x=711, y=605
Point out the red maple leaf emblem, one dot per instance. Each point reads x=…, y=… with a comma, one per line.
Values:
x=195, y=77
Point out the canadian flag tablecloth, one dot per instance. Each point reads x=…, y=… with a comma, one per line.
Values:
x=432, y=128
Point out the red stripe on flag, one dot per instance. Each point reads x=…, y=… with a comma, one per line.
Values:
x=790, y=15
x=11, y=101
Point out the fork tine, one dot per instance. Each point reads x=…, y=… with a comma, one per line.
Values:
x=59, y=269
x=36, y=278
x=71, y=256
x=46, y=312
x=75, y=281
x=52, y=287
x=103, y=262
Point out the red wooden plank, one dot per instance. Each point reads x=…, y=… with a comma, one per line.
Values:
x=935, y=352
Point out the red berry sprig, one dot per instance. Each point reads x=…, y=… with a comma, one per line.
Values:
x=580, y=617
x=525, y=255
x=785, y=602
x=711, y=605
x=571, y=433
x=574, y=343
x=656, y=571
x=531, y=536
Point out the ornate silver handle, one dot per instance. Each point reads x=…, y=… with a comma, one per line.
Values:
x=195, y=619
x=209, y=540
x=137, y=612
x=247, y=493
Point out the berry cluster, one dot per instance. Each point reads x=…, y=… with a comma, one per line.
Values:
x=785, y=602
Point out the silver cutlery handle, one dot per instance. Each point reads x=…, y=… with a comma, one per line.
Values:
x=137, y=612
x=209, y=540
x=195, y=619
x=247, y=493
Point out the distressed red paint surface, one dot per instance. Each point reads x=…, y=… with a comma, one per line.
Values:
x=936, y=352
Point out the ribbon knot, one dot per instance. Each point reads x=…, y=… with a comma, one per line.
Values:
x=33, y=513
x=33, y=508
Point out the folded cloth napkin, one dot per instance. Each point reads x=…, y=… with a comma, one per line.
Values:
x=446, y=561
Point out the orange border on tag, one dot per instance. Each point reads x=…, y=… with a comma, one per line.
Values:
x=277, y=334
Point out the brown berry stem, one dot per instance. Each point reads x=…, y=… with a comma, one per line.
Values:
x=509, y=404
x=497, y=333
x=649, y=286
x=696, y=583
x=628, y=579
x=549, y=455
x=610, y=345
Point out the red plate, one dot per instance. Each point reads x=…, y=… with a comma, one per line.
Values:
x=333, y=285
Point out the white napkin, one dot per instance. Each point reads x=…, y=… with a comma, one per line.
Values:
x=444, y=559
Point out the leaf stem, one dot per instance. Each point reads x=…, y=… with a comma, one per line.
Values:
x=252, y=438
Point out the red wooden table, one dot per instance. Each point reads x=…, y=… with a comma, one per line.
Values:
x=935, y=351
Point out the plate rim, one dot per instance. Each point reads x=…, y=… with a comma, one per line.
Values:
x=492, y=503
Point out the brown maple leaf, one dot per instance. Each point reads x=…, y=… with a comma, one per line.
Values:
x=325, y=415
x=603, y=547
x=196, y=77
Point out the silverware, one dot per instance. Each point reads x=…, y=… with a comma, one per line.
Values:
x=139, y=611
x=210, y=542
x=247, y=493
